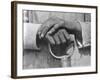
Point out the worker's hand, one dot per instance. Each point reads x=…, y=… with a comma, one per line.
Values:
x=59, y=37
x=54, y=24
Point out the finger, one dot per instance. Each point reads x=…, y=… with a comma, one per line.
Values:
x=45, y=30
x=57, y=40
x=55, y=27
x=46, y=26
x=50, y=39
x=66, y=35
x=61, y=36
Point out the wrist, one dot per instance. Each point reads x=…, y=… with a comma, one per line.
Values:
x=72, y=26
x=78, y=26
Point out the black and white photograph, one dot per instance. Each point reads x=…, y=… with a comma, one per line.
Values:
x=53, y=39
x=66, y=40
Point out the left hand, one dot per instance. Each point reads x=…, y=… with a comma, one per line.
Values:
x=61, y=36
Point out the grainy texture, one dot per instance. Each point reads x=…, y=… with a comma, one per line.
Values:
x=43, y=59
x=40, y=59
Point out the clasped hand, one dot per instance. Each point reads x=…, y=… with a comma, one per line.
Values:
x=57, y=31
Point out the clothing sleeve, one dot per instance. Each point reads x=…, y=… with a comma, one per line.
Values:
x=30, y=35
x=86, y=34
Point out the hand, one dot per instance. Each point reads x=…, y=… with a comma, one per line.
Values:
x=59, y=37
x=53, y=24
x=61, y=43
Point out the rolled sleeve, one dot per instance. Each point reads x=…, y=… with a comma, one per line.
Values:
x=30, y=35
x=86, y=34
